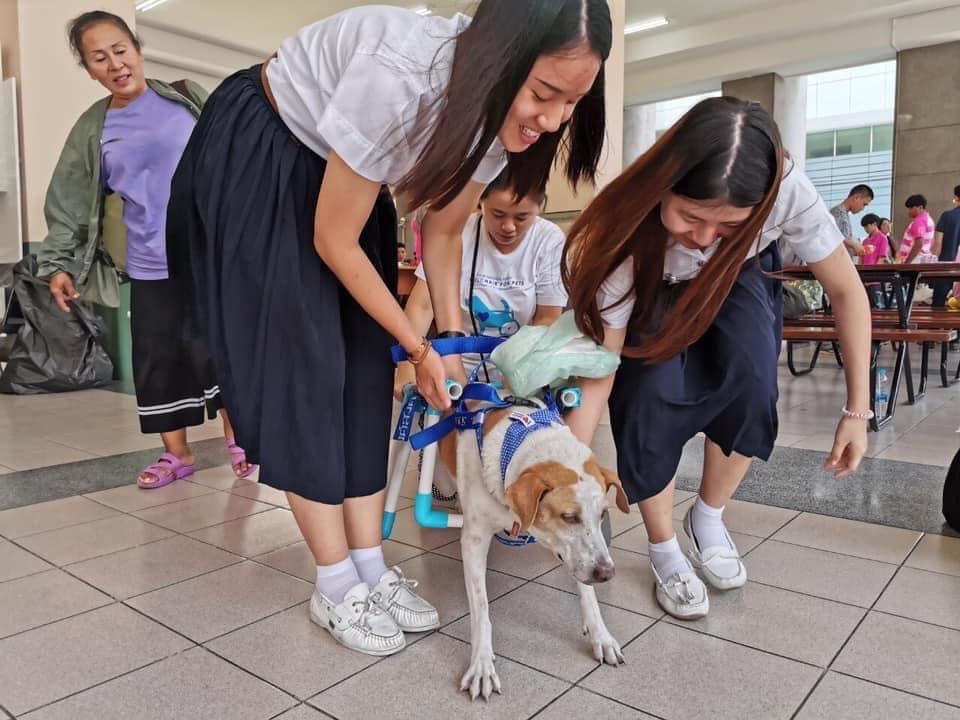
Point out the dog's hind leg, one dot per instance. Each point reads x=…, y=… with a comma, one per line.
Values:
x=481, y=677
x=605, y=647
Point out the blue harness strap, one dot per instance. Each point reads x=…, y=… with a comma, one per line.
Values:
x=523, y=425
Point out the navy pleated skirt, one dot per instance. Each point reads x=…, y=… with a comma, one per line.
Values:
x=304, y=372
x=724, y=385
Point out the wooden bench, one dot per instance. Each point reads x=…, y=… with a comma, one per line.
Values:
x=901, y=336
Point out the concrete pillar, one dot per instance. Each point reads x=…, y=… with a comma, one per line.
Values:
x=926, y=151
x=639, y=130
x=785, y=99
x=54, y=91
x=563, y=204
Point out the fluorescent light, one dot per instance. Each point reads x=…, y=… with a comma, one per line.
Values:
x=648, y=24
x=422, y=10
x=145, y=5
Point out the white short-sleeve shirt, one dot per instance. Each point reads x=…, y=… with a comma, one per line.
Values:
x=507, y=288
x=799, y=218
x=368, y=84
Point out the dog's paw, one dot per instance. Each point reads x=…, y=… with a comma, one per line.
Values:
x=481, y=678
x=605, y=647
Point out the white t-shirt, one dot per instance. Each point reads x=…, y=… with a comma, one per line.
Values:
x=368, y=83
x=507, y=288
x=799, y=217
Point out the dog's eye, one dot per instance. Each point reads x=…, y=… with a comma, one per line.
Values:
x=571, y=518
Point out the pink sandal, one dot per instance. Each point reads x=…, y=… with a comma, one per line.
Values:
x=166, y=470
x=237, y=458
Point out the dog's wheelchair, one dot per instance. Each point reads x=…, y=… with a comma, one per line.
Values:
x=434, y=426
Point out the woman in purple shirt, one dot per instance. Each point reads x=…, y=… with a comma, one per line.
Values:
x=139, y=132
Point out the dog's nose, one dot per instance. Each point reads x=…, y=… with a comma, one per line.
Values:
x=602, y=573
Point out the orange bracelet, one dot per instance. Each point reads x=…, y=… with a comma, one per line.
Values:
x=420, y=354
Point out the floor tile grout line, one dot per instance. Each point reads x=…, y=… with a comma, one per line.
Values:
x=811, y=595
x=823, y=673
x=863, y=619
x=677, y=624
x=856, y=557
x=72, y=615
x=112, y=552
x=521, y=663
x=551, y=702
x=111, y=679
x=895, y=689
x=620, y=702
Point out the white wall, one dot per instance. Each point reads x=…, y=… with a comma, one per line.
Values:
x=173, y=55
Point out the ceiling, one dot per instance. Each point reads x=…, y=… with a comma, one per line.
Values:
x=260, y=26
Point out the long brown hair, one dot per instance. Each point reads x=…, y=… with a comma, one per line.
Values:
x=723, y=150
x=491, y=62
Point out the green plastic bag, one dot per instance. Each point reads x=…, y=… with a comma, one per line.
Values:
x=538, y=356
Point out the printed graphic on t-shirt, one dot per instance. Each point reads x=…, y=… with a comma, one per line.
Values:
x=502, y=322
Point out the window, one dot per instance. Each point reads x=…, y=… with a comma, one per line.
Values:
x=853, y=141
x=820, y=144
x=882, y=138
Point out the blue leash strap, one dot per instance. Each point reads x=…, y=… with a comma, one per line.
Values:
x=413, y=405
x=454, y=346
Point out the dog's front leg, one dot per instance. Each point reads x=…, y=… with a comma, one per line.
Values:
x=605, y=647
x=481, y=677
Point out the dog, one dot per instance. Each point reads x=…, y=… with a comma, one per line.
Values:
x=551, y=487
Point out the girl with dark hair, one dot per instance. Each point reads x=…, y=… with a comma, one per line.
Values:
x=671, y=267
x=128, y=145
x=279, y=213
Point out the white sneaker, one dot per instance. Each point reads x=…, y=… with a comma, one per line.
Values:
x=721, y=566
x=358, y=623
x=410, y=611
x=683, y=595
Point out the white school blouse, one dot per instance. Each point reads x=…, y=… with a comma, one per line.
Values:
x=368, y=84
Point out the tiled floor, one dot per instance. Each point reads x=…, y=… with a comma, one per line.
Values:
x=190, y=601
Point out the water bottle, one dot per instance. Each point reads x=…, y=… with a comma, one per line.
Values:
x=882, y=395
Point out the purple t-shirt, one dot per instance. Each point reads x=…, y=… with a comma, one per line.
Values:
x=140, y=148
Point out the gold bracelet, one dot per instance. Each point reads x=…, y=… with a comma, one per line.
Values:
x=420, y=354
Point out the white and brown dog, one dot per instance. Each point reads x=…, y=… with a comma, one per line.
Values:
x=547, y=484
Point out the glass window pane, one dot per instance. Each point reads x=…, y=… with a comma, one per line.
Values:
x=820, y=144
x=853, y=141
x=882, y=138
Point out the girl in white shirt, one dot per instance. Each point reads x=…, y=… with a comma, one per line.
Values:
x=670, y=266
x=279, y=213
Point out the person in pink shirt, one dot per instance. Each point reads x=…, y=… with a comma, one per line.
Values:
x=876, y=243
x=918, y=237
x=876, y=246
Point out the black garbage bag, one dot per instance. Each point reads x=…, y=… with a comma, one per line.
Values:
x=54, y=351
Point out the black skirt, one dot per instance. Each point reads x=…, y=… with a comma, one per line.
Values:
x=172, y=372
x=304, y=372
x=724, y=385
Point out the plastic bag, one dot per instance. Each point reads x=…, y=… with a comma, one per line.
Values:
x=538, y=356
x=54, y=351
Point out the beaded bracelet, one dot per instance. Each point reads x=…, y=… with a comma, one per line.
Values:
x=868, y=415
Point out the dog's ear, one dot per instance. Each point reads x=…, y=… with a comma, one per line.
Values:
x=607, y=478
x=525, y=494
x=610, y=478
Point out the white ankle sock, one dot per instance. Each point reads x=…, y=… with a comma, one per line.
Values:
x=668, y=558
x=336, y=580
x=707, y=524
x=369, y=563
